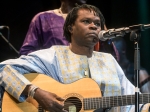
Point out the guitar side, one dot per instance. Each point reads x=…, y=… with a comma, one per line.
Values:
x=83, y=88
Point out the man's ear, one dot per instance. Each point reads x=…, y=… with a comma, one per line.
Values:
x=70, y=28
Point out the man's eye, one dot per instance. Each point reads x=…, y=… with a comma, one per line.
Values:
x=98, y=24
x=86, y=21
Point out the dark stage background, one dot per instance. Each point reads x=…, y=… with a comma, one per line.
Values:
x=17, y=14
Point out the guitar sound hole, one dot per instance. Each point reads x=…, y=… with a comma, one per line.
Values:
x=73, y=104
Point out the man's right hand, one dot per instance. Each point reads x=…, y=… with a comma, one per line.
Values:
x=49, y=101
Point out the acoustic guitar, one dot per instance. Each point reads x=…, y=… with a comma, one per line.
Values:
x=83, y=95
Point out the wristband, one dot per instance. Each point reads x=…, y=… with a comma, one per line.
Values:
x=32, y=91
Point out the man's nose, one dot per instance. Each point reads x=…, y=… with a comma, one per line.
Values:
x=93, y=26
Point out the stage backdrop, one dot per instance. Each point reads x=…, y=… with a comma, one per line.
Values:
x=118, y=13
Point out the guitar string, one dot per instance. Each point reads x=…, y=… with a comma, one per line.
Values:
x=128, y=99
x=93, y=102
x=107, y=99
x=77, y=104
x=143, y=98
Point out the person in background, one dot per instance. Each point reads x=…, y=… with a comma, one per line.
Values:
x=67, y=64
x=46, y=28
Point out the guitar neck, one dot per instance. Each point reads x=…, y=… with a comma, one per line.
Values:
x=113, y=101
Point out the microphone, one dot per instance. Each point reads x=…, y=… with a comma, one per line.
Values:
x=104, y=35
x=120, y=32
x=2, y=27
x=112, y=33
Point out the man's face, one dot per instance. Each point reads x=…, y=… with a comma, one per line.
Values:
x=85, y=29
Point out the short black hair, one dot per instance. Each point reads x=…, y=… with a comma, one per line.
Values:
x=73, y=14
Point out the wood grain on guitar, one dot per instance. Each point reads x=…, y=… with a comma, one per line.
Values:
x=74, y=91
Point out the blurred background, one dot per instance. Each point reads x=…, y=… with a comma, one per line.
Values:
x=118, y=13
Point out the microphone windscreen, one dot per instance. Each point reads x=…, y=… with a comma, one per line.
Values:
x=101, y=35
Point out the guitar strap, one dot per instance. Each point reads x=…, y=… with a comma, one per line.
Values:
x=102, y=88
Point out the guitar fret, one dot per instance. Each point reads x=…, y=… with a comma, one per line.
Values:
x=145, y=98
x=121, y=100
x=129, y=100
x=93, y=102
x=113, y=101
x=142, y=98
x=126, y=100
x=105, y=101
x=102, y=102
x=117, y=100
x=99, y=102
x=109, y=101
x=148, y=97
x=84, y=104
x=89, y=106
x=132, y=99
x=90, y=103
x=96, y=105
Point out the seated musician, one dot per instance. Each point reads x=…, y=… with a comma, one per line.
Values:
x=67, y=64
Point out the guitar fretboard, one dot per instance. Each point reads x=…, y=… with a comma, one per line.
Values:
x=113, y=101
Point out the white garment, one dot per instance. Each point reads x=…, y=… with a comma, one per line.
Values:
x=103, y=68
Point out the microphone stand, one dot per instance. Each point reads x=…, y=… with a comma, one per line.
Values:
x=135, y=36
x=9, y=43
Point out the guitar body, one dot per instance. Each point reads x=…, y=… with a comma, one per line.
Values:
x=83, y=88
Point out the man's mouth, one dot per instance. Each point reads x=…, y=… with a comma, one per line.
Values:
x=95, y=40
x=93, y=35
